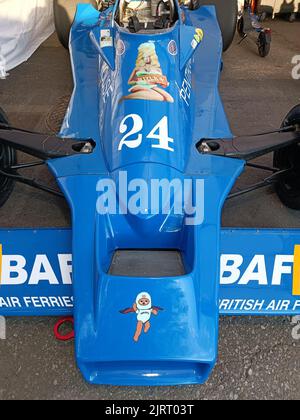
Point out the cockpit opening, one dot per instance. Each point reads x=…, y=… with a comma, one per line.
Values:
x=146, y=15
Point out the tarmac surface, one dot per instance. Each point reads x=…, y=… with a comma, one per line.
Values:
x=258, y=359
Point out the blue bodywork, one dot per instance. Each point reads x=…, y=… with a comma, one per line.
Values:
x=183, y=345
x=145, y=139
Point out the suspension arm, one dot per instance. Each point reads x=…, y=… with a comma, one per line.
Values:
x=250, y=147
x=44, y=146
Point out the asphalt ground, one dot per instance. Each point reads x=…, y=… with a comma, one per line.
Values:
x=258, y=357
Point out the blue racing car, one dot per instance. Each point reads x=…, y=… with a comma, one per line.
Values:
x=146, y=159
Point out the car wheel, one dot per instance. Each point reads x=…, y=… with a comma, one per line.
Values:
x=227, y=12
x=8, y=158
x=288, y=185
x=264, y=46
x=64, y=13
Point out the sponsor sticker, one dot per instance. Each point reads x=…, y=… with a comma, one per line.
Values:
x=194, y=44
x=198, y=37
x=106, y=39
x=120, y=48
x=172, y=48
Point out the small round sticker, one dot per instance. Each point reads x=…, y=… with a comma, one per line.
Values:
x=172, y=48
x=120, y=47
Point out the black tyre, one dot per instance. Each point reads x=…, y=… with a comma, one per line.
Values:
x=264, y=45
x=288, y=186
x=64, y=13
x=7, y=158
x=227, y=11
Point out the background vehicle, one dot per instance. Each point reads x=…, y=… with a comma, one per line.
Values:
x=249, y=21
x=289, y=8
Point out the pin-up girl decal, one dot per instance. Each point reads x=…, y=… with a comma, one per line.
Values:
x=143, y=308
x=147, y=80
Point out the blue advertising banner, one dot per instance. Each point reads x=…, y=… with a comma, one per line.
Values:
x=259, y=272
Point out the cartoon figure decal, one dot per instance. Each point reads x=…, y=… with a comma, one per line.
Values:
x=144, y=310
x=148, y=76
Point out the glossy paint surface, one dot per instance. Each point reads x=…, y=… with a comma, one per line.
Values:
x=148, y=139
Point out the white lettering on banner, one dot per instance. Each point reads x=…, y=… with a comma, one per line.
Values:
x=282, y=305
x=255, y=305
x=246, y=305
x=296, y=305
x=13, y=270
x=48, y=302
x=42, y=271
x=256, y=271
x=259, y=271
x=280, y=268
x=10, y=302
x=65, y=263
x=16, y=272
x=37, y=302
x=231, y=264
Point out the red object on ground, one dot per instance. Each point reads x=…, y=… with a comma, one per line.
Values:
x=59, y=324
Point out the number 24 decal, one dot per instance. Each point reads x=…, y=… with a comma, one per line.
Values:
x=160, y=132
